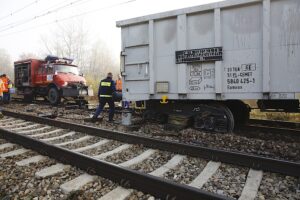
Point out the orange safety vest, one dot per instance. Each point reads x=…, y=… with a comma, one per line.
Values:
x=119, y=85
x=1, y=87
x=5, y=84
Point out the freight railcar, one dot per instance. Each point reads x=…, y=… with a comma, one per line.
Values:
x=202, y=62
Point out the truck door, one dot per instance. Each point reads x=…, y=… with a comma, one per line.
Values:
x=49, y=74
x=41, y=75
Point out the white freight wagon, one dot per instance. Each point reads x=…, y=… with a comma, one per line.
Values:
x=208, y=58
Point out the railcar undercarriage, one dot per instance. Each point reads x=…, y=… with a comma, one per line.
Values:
x=217, y=116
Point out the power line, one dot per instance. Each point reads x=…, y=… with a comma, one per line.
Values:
x=48, y=12
x=19, y=10
x=70, y=17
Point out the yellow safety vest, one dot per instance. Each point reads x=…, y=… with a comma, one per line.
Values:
x=107, y=84
x=104, y=95
x=1, y=88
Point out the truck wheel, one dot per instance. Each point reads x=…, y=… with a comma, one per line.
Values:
x=54, y=96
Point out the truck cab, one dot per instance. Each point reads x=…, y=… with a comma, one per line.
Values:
x=53, y=78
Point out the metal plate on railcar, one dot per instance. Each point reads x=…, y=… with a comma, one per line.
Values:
x=199, y=55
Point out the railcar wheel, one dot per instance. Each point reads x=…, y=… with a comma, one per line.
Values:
x=209, y=123
x=230, y=119
x=240, y=111
x=54, y=96
x=214, y=117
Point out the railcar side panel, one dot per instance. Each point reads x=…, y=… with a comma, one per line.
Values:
x=241, y=49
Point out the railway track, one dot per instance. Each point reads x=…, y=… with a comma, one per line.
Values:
x=275, y=123
x=272, y=127
x=142, y=163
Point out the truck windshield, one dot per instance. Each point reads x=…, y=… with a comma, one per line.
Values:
x=66, y=69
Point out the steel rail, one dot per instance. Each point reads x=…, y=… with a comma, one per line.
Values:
x=236, y=158
x=271, y=129
x=155, y=186
x=276, y=123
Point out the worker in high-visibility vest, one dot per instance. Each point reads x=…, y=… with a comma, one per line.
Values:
x=1, y=89
x=119, y=84
x=106, y=90
x=6, y=85
x=1, y=96
x=118, y=94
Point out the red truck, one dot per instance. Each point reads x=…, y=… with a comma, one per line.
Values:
x=53, y=78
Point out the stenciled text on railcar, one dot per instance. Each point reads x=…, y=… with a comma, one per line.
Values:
x=199, y=55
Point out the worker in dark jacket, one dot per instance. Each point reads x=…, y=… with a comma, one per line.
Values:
x=107, y=88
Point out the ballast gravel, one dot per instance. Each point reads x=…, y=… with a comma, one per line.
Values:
x=228, y=180
x=88, y=142
x=155, y=161
x=34, y=132
x=137, y=195
x=49, y=135
x=20, y=182
x=278, y=187
x=126, y=155
x=228, y=141
x=5, y=150
x=25, y=155
x=96, y=189
x=187, y=170
x=67, y=138
x=103, y=148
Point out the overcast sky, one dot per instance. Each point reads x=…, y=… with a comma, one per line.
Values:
x=22, y=22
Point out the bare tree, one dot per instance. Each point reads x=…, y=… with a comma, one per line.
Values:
x=6, y=65
x=101, y=60
x=72, y=40
x=68, y=40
